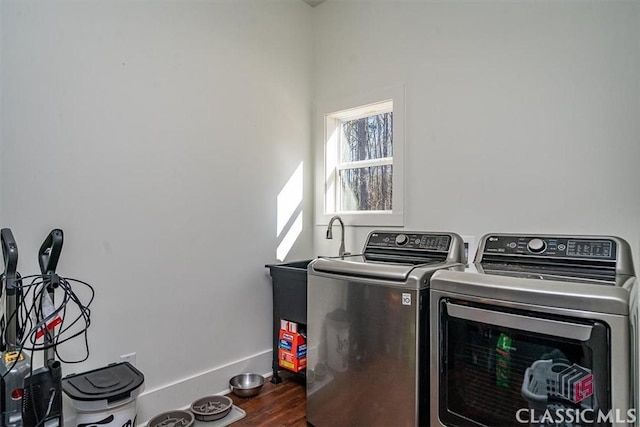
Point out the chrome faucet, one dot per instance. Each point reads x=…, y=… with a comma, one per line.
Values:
x=341, y=251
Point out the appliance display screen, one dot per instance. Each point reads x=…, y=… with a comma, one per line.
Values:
x=590, y=248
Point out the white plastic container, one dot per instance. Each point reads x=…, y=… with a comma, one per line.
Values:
x=122, y=415
x=338, y=340
x=105, y=396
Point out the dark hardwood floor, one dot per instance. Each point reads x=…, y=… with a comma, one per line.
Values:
x=281, y=404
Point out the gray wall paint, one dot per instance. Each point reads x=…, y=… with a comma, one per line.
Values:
x=157, y=135
x=521, y=116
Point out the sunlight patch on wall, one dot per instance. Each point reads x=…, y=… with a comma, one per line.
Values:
x=289, y=213
x=289, y=239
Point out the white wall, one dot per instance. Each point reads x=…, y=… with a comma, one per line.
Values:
x=521, y=116
x=158, y=135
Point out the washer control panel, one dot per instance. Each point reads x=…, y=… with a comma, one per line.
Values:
x=551, y=246
x=409, y=240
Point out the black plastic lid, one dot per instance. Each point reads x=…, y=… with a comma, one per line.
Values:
x=114, y=382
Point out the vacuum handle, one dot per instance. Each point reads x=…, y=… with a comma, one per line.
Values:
x=10, y=254
x=50, y=250
x=48, y=257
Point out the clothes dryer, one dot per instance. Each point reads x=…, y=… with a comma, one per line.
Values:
x=539, y=331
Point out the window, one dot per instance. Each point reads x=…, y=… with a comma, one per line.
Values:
x=362, y=149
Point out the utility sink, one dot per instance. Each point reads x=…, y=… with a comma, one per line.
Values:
x=290, y=290
x=289, y=300
x=297, y=265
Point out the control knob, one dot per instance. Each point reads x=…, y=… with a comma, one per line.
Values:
x=401, y=239
x=536, y=246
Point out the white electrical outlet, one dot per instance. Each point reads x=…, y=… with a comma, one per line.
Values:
x=130, y=357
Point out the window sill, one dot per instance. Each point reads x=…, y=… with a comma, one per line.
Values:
x=365, y=219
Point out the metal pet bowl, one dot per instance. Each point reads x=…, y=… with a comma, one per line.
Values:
x=172, y=419
x=246, y=385
x=211, y=408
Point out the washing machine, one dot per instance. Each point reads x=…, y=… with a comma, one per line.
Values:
x=368, y=329
x=540, y=330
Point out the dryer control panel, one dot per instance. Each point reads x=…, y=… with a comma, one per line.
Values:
x=586, y=248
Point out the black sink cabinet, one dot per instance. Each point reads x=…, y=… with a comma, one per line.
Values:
x=289, y=301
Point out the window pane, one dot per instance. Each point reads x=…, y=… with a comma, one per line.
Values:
x=366, y=189
x=367, y=138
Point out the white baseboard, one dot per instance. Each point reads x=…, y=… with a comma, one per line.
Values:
x=180, y=394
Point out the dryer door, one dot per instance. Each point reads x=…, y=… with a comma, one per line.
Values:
x=500, y=366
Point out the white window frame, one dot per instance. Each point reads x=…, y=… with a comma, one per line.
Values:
x=329, y=117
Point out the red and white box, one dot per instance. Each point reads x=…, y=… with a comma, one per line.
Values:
x=292, y=347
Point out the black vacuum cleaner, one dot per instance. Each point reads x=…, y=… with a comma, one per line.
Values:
x=15, y=364
x=42, y=401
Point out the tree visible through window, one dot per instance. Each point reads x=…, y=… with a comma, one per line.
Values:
x=360, y=174
x=365, y=167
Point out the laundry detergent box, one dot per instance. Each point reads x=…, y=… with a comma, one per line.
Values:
x=291, y=362
x=292, y=347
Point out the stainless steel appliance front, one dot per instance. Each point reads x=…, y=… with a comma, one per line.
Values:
x=520, y=339
x=367, y=331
